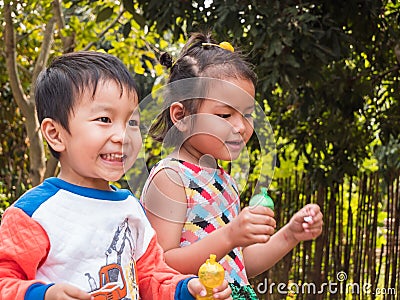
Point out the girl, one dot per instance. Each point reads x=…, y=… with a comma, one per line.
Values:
x=191, y=202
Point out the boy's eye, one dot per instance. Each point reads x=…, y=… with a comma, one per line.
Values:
x=133, y=123
x=248, y=116
x=104, y=119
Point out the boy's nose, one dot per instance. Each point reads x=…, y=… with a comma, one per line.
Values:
x=117, y=136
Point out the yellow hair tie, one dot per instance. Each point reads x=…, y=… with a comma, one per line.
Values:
x=227, y=46
x=222, y=45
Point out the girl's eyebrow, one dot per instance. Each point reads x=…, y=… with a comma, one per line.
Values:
x=251, y=107
x=224, y=104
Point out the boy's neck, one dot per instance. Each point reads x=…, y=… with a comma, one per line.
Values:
x=98, y=184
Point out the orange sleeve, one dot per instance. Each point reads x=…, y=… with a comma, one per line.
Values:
x=156, y=279
x=23, y=247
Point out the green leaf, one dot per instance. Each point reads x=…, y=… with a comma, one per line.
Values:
x=128, y=5
x=104, y=14
x=126, y=30
x=139, y=19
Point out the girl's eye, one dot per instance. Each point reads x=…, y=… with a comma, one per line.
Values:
x=104, y=119
x=248, y=116
x=224, y=116
x=133, y=123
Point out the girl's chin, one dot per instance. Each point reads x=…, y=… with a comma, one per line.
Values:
x=231, y=156
x=228, y=157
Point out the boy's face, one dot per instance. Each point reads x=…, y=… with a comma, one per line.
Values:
x=104, y=137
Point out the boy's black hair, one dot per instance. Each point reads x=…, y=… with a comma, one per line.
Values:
x=200, y=57
x=61, y=84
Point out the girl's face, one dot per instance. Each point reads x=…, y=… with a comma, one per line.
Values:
x=103, y=138
x=223, y=123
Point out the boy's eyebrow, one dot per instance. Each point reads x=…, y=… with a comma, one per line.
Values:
x=102, y=107
x=110, y=107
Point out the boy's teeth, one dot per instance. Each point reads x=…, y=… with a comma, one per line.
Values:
x=113, y=157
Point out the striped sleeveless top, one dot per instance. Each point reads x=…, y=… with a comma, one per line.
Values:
x=212, y=201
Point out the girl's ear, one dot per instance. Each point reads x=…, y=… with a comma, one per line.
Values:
x=177, y=113
x=51, y=131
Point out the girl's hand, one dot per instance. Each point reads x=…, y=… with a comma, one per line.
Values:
x=221, y=292
x=63, y=291
x=306, y=224
x=253, y=225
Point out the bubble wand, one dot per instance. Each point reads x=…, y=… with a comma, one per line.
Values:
x=262, y=199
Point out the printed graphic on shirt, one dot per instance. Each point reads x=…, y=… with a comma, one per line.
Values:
x=113, y=282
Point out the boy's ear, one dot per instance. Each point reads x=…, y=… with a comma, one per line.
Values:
x=177, y=113
x=51, y=131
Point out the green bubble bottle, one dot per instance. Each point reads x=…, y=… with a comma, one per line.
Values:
x=262, y=199
x=211, y=274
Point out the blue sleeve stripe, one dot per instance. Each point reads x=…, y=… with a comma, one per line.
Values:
x=182, y=291
x=37, y=291
x=32, y=199
x=115, y=195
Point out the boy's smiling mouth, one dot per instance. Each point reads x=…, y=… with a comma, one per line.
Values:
x=113, y=157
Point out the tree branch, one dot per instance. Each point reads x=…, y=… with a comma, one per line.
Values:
x=43, y=55
x=111, y=25
x=11, y=61
x=380, y=76
x=51, y=167
x=67, y=41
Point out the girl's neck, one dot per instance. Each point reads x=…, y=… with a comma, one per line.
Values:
x=194, y=157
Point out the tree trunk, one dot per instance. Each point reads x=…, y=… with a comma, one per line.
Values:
x=26, y=102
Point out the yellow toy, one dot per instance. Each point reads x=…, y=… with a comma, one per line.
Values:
x=211, y=275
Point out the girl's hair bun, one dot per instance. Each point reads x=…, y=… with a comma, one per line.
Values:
x=166, y=60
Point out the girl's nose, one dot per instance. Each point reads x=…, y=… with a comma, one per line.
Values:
x=239, y=125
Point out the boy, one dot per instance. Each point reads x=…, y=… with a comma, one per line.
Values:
x=75, y=236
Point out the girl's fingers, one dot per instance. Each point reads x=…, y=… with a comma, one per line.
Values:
x=222, y=292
